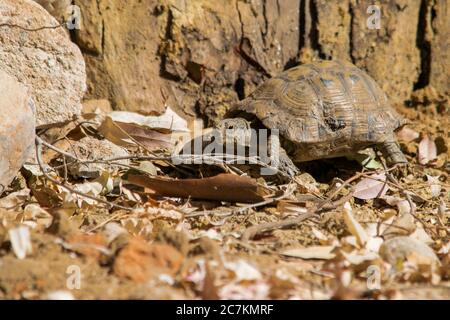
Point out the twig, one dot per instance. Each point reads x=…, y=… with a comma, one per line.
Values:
x=287, y=193
x=254, y=230
x=249, y=233
x=70, y=189
x=114, y=217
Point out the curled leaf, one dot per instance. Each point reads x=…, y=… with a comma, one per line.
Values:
x=223, y=187
x=427, y=150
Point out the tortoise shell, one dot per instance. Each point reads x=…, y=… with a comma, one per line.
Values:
x=323, y=109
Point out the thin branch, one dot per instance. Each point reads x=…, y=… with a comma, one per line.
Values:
x=70, y=189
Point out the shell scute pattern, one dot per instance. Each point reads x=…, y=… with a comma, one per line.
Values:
x=325, y=108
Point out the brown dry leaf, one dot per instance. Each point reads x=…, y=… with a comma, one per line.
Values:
x=223, y=187
x=128, y=128
x=125, y=134
x=111, y=131
x=140, y=261
x=313, y=252
x=371, y=187
x=427, y=150
x=406, y=134
x=150, y=138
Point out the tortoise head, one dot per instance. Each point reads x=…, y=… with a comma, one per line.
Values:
x=235, y=130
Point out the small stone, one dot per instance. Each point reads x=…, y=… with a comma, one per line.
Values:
x=93, y=149
x=402, y=249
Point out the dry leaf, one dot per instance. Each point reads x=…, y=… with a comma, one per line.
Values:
x=357, y=258
x=168, y=122
x=128, y=128
x=353, y=226
x=427, y=150
x=20, y=241
x=374, y=244
x=15, y=199
x=320, y=236
x=421, y=235
x=34, y=215
x=254, y=291
x=223, y=187
x=435, y=186
x=406, y=134
x=402, y=226
x=243, y=270
x=60, y=295
x=371, y=187
x=149, y=138
x=290, y=207
x=313, y=252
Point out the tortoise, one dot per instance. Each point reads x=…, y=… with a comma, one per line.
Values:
x=323, y=109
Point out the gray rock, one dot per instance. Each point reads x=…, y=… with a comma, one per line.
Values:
x=400, y=248
x=40, y=55
x=17, y=128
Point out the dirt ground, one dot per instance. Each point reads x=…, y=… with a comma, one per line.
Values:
x=160, y=252
x=342, y=229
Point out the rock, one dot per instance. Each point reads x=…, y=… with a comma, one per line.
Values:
x=389, y=54
x=202, y=56
x=17, y=128
x=89, y=149
x=57, y=8
x=401, y=249
x=93, y=106
x=120, y=40
x=437, y=64
x=140, y=54
x=45, y=60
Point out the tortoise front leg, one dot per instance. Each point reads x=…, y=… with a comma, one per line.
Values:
x=392, y=153
x=279, y=160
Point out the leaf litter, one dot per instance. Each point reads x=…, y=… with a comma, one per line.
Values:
x=140, y=226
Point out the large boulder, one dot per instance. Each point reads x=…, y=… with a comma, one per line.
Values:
x=17, y=128
x=38, y=53
x=57, y=8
